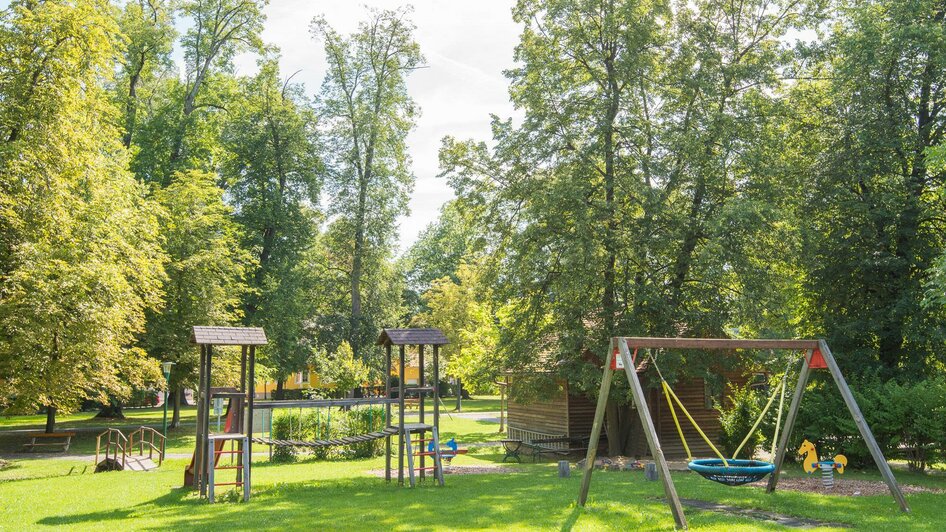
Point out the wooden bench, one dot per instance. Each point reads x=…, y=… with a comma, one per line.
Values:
x=33, y=444
x=543, y=446
x=411, y=403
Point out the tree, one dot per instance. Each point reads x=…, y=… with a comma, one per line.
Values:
x=629, y=201
x=81, y=262
x=874, y=104
x=273, y=169
x=367, y=114
x=206, y=272
x=461, y=309
x=438, y=252
x=221, y=29
x=149, y=29
x=343, y=370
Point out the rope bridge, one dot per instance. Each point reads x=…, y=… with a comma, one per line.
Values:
x=348, y=440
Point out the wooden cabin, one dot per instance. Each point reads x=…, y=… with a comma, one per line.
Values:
x=570, y=414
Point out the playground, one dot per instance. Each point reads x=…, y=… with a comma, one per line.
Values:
x=470, y=486
x=60, y=490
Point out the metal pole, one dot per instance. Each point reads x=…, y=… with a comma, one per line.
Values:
x=167, y=396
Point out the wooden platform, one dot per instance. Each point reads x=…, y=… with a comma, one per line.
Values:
x=132, y=463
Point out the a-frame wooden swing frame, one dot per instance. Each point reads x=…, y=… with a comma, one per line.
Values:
x=622, y=346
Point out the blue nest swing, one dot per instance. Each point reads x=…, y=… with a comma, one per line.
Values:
x=737, y=473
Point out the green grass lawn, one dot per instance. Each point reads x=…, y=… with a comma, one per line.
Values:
x=36, y=493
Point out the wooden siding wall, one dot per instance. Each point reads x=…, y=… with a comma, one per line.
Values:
x=581, y=415
x=692, y=394
x=547, y=417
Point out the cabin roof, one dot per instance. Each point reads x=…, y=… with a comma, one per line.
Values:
x=228, y=335
x=415, y=336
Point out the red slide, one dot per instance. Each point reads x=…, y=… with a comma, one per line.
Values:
x=231, y=419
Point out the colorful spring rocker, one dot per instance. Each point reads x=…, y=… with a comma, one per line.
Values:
x=448, y=451
x=827, y=467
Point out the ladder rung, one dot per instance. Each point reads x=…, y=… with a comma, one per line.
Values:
x=228, y=452
x=229, y=484
x=426, y=453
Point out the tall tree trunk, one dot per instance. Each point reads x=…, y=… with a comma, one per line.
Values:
x=50, y=419
x=277, y=393
x=459, y=407
x=357, y=270
x=608, y=300
x=131, y=107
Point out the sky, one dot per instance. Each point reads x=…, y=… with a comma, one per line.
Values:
x=467, y=45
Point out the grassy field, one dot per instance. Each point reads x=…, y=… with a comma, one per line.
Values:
x=37, y=493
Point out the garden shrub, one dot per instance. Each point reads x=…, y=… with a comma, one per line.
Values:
x=326, y=424
x=736, y=418
x=907, y=419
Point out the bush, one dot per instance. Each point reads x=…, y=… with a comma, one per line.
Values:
x=736, y=418
x=907, y=419
x=325, y=424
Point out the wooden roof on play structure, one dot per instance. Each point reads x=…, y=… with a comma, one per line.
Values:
x=228, y=335
x=428, y=336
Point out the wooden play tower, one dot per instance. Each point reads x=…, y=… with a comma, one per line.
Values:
x=425, y=432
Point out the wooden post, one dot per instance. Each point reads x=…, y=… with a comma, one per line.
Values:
x=676, y=508
x=420, y=406
x=248, y=451
x=596, y=426
x=563, y=469
x=862, y=426
x=198, y=445
x=436, y=377
x=789, y=423
x=387, y=411
x=400, y=417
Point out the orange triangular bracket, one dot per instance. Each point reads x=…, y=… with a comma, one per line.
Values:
x=817, y=360
x=618, y=363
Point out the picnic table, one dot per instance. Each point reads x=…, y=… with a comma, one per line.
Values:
x=65, y=439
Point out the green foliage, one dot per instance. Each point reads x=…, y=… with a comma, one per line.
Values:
x=461, y=310
x=343, y=370
x=366, y=113
x=902, y=417
x=206, y=270
x=325, y=424
x=736, y=416
x=80, y=262
x=273, y=170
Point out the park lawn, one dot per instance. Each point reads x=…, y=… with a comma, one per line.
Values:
x=133, y=416
x=318, y=495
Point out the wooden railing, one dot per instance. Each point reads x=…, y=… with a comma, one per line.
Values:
x=145, y=437
x=115, y=442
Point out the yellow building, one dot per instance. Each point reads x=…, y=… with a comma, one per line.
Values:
x=309, y=379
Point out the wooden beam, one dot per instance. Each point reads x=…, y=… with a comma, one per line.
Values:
x=676, y=508
x=400, y=417
x=387, y=411
x=863, y=427
x=789, y=422
x=715, y=343
x=596, y=426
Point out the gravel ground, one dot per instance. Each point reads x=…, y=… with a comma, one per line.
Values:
x=842, y=486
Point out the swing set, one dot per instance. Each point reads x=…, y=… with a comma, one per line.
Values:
x=730, y=471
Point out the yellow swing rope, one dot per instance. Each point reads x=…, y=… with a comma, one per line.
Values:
x=762, y=415
x=676, y=422
x=692, y=421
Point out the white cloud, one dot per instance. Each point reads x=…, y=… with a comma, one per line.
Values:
x=467, y=46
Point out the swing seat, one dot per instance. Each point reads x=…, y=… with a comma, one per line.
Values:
x=738, y=472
